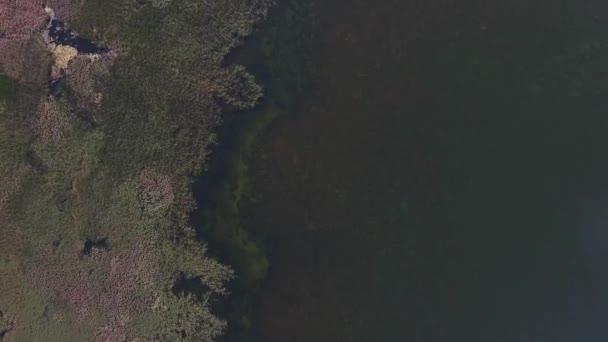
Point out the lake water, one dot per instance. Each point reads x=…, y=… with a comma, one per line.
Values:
x=442, y=175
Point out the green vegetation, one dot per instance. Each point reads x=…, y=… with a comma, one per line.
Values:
x=95, y=178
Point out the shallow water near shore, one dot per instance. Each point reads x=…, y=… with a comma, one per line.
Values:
x=434, y=171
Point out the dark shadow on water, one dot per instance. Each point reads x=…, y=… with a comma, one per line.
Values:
x=190, y=286
x=61, y=34
x=89, y=245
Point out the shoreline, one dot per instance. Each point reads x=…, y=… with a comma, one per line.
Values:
x=224, y=190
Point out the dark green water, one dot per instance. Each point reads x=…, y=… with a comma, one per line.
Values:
x=441, y=175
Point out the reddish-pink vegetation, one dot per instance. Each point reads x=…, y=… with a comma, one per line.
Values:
x=51, y=121
x=25, y=60
x=156, y=190
x=64, y=9
x=20, y=18
x=102, y=285
x=12, y=53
